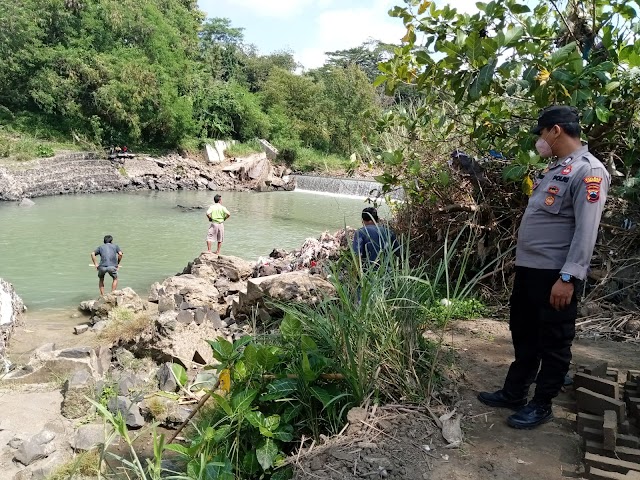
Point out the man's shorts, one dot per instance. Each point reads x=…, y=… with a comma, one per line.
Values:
x=113, y=271
x=216, y=233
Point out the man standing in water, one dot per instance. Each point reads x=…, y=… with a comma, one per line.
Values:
x=110, y=258
x=217, y=214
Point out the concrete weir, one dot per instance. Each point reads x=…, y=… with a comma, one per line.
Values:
x=341, y=186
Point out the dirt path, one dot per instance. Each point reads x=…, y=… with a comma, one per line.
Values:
x=491, y=450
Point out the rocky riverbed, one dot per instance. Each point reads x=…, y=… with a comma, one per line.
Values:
x=145, y=358
x=91, y=172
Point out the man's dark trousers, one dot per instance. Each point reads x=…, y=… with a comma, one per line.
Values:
x=541, y=335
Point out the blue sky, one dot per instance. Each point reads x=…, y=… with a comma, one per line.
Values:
x=311, y=27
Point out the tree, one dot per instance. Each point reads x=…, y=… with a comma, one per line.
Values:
x=350, y=106
x=367, y=56
x=485, y=76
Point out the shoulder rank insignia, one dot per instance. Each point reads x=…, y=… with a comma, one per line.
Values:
x=593, y=188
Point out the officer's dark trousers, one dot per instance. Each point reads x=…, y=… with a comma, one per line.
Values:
x=541, y=335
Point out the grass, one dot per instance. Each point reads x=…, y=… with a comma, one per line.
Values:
x=124, y=325
x=243, y=149
x=86, y=464
x=310, y=160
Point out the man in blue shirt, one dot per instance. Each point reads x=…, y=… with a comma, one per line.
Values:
x=373, y=238
x=110, y=258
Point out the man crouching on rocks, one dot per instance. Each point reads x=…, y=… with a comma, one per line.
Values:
x=216, y=214
x=110, y=258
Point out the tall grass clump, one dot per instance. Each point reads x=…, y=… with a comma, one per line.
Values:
x=365, y=343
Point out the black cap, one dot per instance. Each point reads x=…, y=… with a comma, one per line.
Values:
x=556, y=115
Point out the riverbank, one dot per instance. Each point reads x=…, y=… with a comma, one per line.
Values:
x=90, y=172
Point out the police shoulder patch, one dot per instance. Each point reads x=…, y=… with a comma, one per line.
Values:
x=550, y=200
x=554, y=189
x=593, y=180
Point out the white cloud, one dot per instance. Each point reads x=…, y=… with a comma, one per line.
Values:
x=340, y=29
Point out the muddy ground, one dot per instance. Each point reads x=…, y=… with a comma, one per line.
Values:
x=392, y=442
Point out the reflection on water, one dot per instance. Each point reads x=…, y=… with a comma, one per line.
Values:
x=45, y=249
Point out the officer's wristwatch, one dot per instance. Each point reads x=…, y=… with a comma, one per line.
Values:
x=566, y=278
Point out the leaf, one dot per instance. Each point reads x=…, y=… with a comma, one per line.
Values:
x=266, y=358
x=527, y=185
x=423, y=7
x=285, y=473
x=561, y=55
x=222, y=403
x=518, y=9
x=250, y=463
x=219, y=469
x=514, y=172
x=483, y=81
x=222, y=349
x=512, y=36
x=180, y=374
x=240, y=372
x=250, y=357
x=307, y=373
x=267, y=453
x=290, y=327
x=307, y=344
x=174, y=447
x=380, y=79
x=280, y=388
x=255, y=418
x=603, y=113
x=225, y=380
x=241, y=401
x=272, y=422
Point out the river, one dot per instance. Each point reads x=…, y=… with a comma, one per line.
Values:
x=45, y=249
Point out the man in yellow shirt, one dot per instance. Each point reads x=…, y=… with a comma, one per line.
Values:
x=216, y=214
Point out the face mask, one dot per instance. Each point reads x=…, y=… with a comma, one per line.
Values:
x=543, y=148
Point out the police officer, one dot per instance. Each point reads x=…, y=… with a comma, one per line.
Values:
x=555, y=243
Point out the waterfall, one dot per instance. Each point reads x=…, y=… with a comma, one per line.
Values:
x=341, y=186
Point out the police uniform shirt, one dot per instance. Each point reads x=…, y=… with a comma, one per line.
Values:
x=560, y=225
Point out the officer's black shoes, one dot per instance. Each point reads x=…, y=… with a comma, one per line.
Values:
x=531, y=415
x=501, y=399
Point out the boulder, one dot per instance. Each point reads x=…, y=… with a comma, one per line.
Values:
x=130, y=411
x=125, y=298
x=46, y=364
x=195, y=290
x=166, y=411
x=88, y=437
x=177, y=342
x=77, y=389
x=296, y=287
x=220, y=266
x=166, y=379
x=269, y=150
x=214, y=154
x=25, y=202
x=11, y=310
x=37, y=447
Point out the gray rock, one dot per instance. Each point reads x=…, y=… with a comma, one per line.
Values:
x=25, y=202
x=166, y=379
x=37, y=447
x=212, y=186
x=80, y=386
x=167, y=322
x=214, y=317
x=200, y=315
x=166, y=303
x=11, y=309
x=77, y=352
x=79, y=329
x=99, y=326
x=128, y=383
x=87, y=306
x=88, y=437
x=15, y=442
x=167, y=412
x=187, y=306
x=130, y=411
x=185, y=316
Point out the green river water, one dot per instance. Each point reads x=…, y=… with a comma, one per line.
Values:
x=45, y=249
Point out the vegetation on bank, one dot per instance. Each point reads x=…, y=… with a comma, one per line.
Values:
x=299, y=378
x=157, y=74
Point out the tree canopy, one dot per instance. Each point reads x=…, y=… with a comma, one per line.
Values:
x=158, y=72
